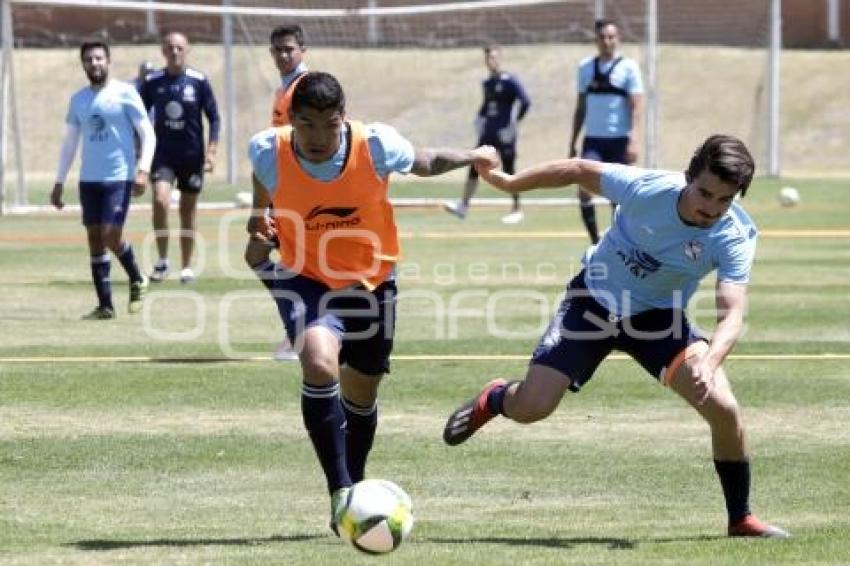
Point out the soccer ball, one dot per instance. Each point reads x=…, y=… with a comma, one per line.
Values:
x=789, y=196
x=377, y=516
x=243, y=199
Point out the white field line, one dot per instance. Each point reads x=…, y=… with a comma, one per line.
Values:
x=400, y=358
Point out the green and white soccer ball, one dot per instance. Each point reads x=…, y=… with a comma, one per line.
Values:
x=377, y=516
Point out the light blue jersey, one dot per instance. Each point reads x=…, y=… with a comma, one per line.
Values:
x=105, y=119
x=609, y=115
x=287, y=79
x=650, y=258
x=389, y=150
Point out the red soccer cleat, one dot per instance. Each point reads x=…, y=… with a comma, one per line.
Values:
x=750, y=526
x=470, y=416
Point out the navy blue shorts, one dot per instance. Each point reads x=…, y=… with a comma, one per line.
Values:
x=507, y=153
x=582, y=333
x=364, y=321
x=105, y=202
x=607, y=150
x=188, y=173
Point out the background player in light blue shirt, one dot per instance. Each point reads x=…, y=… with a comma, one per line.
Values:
x=108, y=115
x=669, y=232
x=608, y=106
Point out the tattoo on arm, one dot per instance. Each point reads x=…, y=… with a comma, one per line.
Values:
x=430, y=161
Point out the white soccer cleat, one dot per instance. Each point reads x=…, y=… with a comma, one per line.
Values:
x=514, y=217
x=187, y=276
x=455, y=209
x=284, y=352
x=160, y=271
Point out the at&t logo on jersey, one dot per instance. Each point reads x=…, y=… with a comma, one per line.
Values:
x=97, y=128
x=639, y=263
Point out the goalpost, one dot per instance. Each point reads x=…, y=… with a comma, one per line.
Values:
x=417, y=66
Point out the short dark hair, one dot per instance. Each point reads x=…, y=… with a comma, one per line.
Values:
x=490, y=47
x=294, y=30
x=724, y=156
x=601, y=23
x=94, y=44
x=319, y=91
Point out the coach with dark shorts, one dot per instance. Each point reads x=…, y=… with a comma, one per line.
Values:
x=669, y=231
x=609, y=105
x=179, y=95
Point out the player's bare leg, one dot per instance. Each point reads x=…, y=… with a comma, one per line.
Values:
x=729, y=447
x=161, y=203
x=524, y=401
x=588, y=214
x=188, y=214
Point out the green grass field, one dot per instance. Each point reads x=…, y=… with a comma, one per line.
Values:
x=135, y=441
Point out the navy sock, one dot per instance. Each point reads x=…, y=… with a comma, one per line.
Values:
x=100, y=277
x=735, y=480
x=325, y=423
x=588, y=216
x=128, y=262
x=265, y=272
x=496, y=399
x=361, y=424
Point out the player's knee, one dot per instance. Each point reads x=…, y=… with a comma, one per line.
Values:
x=319, y=369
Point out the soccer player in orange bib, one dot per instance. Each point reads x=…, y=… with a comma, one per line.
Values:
x=327, y=180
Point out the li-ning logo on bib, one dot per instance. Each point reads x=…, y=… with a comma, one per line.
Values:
x=340, y=212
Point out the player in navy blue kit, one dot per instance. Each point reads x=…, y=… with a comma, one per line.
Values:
x=609, y=106
x=179, y=96
x=505, y=104
x=669, y=231
x=106, y=115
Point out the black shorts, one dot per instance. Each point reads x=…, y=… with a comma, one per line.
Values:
x=105, y=203
x=507, y=153
x=582, y=333
x=189, y=172
x=363, y=321
x=607, y=150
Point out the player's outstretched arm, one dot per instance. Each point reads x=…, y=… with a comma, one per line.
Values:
x=258, y=226
x=429, y=161
x=551, y=175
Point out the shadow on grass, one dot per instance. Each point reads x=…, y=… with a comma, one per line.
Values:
x=99, y=545
x=556, y=542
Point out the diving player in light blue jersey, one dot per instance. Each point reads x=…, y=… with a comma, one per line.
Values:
x=107, y=114
x=669, y=232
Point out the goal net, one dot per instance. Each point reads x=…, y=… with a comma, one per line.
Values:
x=417, y=66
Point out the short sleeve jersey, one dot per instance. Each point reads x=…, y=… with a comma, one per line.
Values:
x=609, y=115
x=390, y=152
x=105, y=118
x=178, y=103
x=650, y=258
